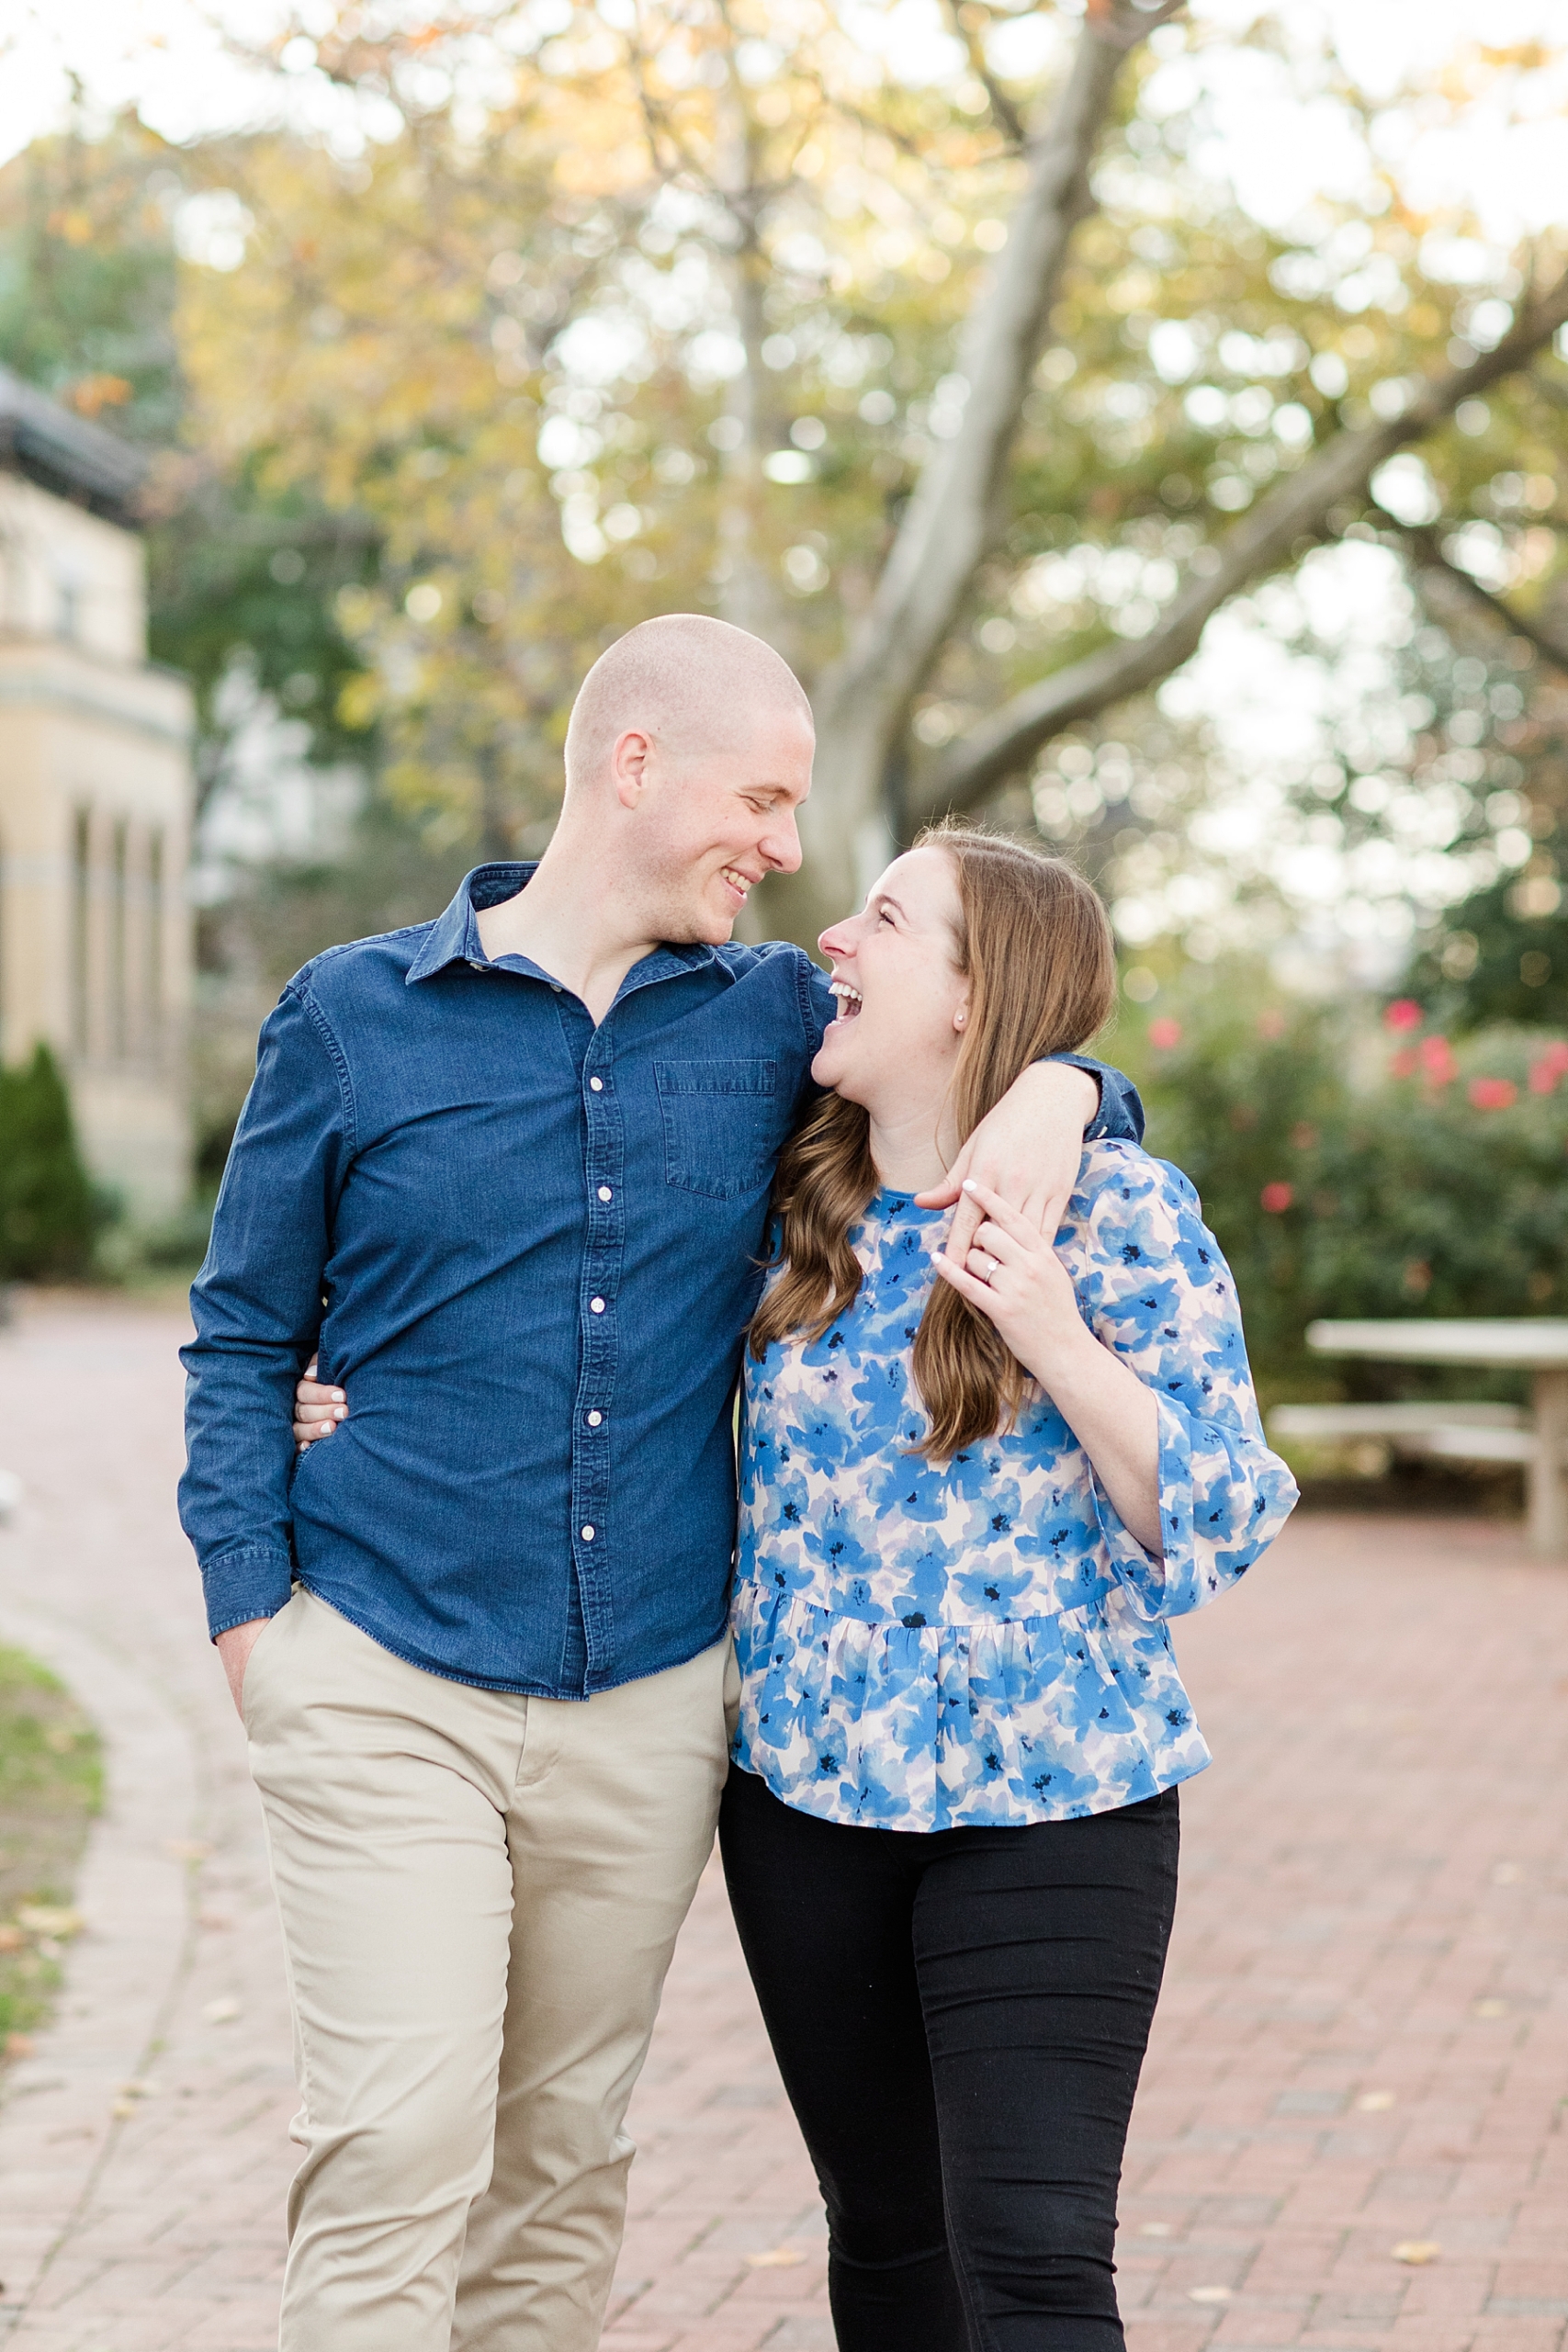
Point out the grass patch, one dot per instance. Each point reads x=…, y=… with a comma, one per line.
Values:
x=50, y=1786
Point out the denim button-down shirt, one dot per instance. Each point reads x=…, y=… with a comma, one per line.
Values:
x=528, y=1246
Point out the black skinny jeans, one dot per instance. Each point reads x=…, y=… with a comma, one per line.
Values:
x=960, y=2019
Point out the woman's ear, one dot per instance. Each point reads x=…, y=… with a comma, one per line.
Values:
x=961, y=1016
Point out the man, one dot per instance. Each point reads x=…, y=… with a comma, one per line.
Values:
x=508, y=1172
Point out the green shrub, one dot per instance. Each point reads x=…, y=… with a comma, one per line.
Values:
x=1351, y=1168
x=48, y=1211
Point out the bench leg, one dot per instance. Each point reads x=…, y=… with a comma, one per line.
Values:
x=1548, y=1486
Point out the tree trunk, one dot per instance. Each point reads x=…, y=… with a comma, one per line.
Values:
x=948, y=527
x=1001, y=745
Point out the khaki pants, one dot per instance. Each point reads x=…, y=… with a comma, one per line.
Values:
x=480, y=1895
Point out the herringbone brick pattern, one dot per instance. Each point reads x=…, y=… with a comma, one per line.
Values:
x=1363, y=2043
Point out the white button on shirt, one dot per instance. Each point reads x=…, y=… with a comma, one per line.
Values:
x=597, y=1304
x=594, y=1420
x=606, y=1193
x=596, y=1086
x=588, y=1535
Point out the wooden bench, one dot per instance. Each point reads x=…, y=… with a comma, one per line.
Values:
x=1459, y=1432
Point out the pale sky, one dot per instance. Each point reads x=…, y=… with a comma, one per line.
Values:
x=166, y=58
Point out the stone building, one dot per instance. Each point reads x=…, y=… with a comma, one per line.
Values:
x=95, y=801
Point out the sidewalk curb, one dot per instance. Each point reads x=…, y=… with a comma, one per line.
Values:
x=58, y=2130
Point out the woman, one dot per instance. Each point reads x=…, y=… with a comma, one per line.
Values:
x=970, y=1497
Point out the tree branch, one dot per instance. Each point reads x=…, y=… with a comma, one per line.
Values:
x=948, y=524
x=1004, y=113
x=1429, y=552
x=1000, y=746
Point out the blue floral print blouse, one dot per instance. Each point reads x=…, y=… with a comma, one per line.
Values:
x=983, y=1641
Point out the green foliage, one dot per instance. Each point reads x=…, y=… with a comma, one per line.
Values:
x=50, y=1785
x=1349, y=1171
x=89, y=285
x=48, y=1212
x=1497, y=961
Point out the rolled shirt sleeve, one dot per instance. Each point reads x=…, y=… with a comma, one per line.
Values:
x=257, y=1306
x=1120, y=1118
x=1155, y=1287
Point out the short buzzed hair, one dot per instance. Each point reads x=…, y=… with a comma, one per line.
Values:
x=690, y=680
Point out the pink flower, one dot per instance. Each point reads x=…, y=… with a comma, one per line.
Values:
x=1164, y=1034
x=1437, y=1058
x=1492, y=1093
x=1548, y=1068
x=1403, y=1063
x=1402, y=1013
x=1277, y=1198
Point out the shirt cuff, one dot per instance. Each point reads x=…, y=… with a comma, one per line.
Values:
x=1121, y=1114
x=243, y=1586
x=1157, y=1588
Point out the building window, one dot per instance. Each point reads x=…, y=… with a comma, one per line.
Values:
x=152, y=994
x=119, y=975
x=81, y=929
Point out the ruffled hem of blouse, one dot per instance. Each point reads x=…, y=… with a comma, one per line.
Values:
x=933, y=1726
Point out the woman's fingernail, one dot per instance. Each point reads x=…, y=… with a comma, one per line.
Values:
x=337, y=1396
x=970, y=1185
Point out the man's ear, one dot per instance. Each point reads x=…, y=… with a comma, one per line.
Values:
x=629, y=762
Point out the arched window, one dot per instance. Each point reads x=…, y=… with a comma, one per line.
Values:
x=119, y=975
x=152, y=936
x=81, y=930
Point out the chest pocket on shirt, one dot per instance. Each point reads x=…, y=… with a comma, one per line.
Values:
x=721, y=1126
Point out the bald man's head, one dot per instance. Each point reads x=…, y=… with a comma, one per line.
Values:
x=688, y=755
x=694, y=684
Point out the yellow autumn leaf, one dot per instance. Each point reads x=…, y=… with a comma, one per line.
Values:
x=49, y=1920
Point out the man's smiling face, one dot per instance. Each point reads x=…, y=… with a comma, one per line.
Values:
x=716, y=819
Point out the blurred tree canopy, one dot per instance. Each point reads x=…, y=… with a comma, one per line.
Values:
x=89, y=288
x=978, y=398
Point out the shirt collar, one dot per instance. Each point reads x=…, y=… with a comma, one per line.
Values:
x=454, y=936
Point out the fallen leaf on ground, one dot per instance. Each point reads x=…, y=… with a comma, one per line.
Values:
x=123, y=2108
x=778, y=2257
x=18, y=2045
x=49, y=1920
x=1208, y=2294
x=1415, y=2250
x=221, y=2012
x=1374, y=2102
x=11, y=1939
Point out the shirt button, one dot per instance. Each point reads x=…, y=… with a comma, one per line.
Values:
x=606, y=1193
x=594, y=1420
x=596, y=1086
x=597, y=1304
x=588, y=1535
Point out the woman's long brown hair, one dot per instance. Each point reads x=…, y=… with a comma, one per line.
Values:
x=1033, y=941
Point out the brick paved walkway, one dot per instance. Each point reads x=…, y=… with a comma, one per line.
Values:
x=1363, y=2042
